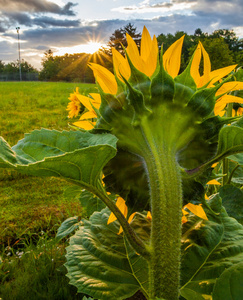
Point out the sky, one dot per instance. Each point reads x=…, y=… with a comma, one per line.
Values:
x=83, y=25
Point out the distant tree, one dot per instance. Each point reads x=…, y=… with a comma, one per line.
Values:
x=50, y=66
x=2, y=65
x=13, y=67
x=118, y=38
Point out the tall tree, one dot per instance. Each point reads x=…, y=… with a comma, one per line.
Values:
x=118, y=38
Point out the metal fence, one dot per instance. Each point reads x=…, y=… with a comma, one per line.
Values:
x=15, y=76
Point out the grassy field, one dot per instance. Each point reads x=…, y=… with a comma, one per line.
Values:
x=32, y=207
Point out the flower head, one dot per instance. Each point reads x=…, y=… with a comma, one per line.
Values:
x=74, y=105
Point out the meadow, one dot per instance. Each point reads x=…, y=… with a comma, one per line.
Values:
x=33, y=208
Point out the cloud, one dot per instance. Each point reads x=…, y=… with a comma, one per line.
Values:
x=150, y=7
x=36, y=6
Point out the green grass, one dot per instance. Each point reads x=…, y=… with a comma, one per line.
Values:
x=30, y=204
x=32, y=208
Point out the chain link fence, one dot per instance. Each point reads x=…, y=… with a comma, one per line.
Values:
x=15, y=76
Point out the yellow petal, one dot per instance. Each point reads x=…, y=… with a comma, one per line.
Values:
x=214, y=165
x=184, y=219
x=133, y=53
x=229, y=87
x=121, y=204
x=195, y=65
x=96, y=100
x=240, y=111
x=88, y=115
x=120, y=230
x=121, y=65
x=206, y=66
x=149, y=216
x=146, y=44
x=172, y=58
x=85, y=101
x=105, y=78
x=206, y=197
x=152, y=61
x=197, y=210
x=131, y=217
x=184, y=212
x=87, y=125
x=111, y=219
x=216, y=75
x=213, y=181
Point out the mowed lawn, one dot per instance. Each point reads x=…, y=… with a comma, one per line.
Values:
x=31, y=204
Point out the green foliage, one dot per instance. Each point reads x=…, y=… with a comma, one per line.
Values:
x=212, y=251
x=101, y=263
x=232, y=200
x=13, y=67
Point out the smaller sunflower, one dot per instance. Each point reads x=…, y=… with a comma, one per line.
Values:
x=74, y=106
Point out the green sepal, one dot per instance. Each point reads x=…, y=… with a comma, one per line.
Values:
x=202, y=102
x=162, y=87
x=136, y=100
x=185, y=86
x=139, y=80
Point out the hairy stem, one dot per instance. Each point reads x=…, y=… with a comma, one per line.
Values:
x=166, y=202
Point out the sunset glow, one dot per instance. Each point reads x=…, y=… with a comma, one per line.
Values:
x=91, y=47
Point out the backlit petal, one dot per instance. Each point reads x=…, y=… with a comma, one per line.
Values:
x=146, y=44
x=121, y=65
x=195, y=65
x=87, y=125
x=206, y=66
x=152, y=61
x=88, y=115
x=105, y=78
x=86, y=101
x=216, y=75
x=133, y=53
x=229, y=87
x=172, y=58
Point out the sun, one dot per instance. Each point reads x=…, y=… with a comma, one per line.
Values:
x=90, y=47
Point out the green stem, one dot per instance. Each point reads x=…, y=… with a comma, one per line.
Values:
x=166, y=202
x=225, y=160
x=137, y=244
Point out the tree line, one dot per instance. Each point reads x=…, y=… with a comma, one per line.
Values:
x=223, y=47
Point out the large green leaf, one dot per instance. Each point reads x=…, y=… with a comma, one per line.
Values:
x=209, y=248
x=232, y=199
x=230, y=284
x=67, y=227
x=75, y=155
x=90, y=203
x=101, y=263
